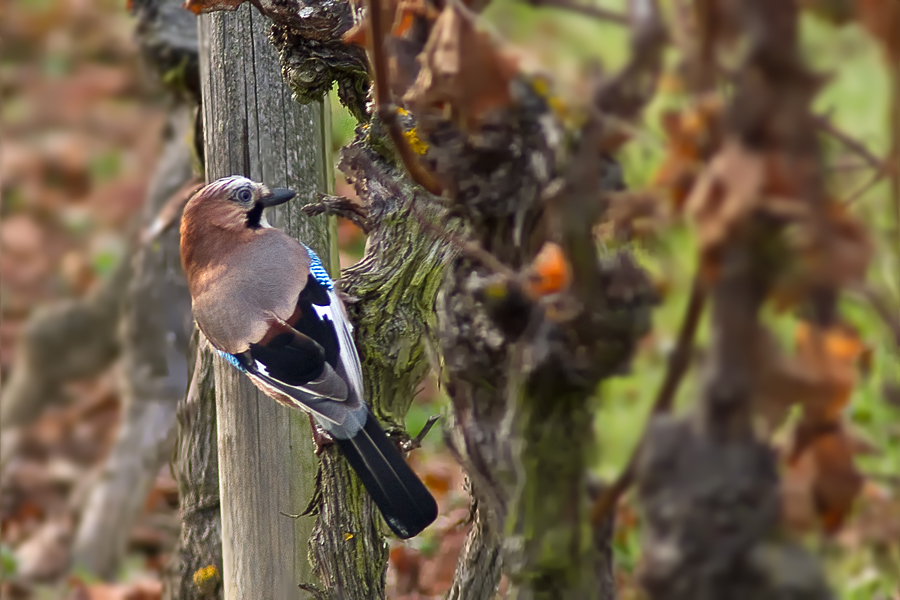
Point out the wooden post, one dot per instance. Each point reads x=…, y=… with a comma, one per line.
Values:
x=266, y=462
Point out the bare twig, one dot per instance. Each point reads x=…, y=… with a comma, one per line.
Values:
x=624, y=96
x=596, y=12
x=679, y=361
x=825, y=125
x=387, y=111
x=341, y=207
x=842, y=165
x=416, y=442
x=313, y=589
x=868, y=185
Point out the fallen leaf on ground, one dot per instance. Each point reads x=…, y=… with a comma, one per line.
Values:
x=45, y=555
x=140, y=590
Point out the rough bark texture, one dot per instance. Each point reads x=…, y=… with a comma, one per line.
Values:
x=196, y=464
x=266, y=462
x=477, y=572
x=522, y=390
x=391, y=297
x=154, y=334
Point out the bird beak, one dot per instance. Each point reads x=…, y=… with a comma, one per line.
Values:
x=276, y=197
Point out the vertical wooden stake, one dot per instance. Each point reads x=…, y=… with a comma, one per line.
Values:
x=266, y=461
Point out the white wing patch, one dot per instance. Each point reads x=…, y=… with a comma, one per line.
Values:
x=348, y=355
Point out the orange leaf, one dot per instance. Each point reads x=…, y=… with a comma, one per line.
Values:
x=819, y=377
x=206, y=6
x=830, y=356
x=549, y=273
x=691, y=135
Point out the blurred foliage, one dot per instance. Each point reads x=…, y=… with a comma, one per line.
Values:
x=575, y=51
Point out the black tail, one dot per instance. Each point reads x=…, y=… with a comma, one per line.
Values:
x=400, y=495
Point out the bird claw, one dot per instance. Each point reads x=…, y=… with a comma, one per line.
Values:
x=321, y=438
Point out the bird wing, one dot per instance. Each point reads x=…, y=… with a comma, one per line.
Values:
x=348, y=356
x=311, y=360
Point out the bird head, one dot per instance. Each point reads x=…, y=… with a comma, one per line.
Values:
x=233, y=203
x=222, y=215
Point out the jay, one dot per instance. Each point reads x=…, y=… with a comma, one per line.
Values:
x=264, y=301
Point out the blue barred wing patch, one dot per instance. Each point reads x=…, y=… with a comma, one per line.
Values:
x=317, y=270
x=231, y=358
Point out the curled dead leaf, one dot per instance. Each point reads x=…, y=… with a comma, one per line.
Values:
x=822, y=483
x=841, y=254
x=821, y=248
x=819, y=377
x=821, y=480
x=461, y=69
x=725, y=194
x=691, y=136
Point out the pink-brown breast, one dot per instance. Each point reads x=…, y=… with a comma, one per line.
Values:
x=240, y=280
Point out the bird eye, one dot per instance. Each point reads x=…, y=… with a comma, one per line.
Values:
x=245, y=195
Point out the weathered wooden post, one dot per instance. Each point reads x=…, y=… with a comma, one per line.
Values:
x=266, y=461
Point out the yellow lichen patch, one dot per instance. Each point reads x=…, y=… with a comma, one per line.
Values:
x=417, y=145
x=541, y=86
x=412, y=136
x=206, y=578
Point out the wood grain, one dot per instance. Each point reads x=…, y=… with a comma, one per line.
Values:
x=266, y=462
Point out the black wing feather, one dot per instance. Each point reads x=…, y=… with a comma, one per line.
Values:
x=297, y=357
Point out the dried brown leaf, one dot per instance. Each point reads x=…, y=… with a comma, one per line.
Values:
x=882, y=19
x=726, y=194
x=819, y=377
x=841, y=254
x=821, y=480
x=461, y=69
x=822, y=483
x=692, y=134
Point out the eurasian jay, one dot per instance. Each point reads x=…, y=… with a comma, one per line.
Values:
x=264, y=301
